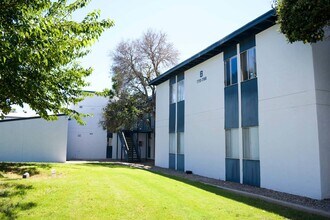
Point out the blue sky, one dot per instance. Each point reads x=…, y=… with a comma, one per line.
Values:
x=191, y=25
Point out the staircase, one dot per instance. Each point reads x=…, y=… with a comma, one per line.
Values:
x=129, y=147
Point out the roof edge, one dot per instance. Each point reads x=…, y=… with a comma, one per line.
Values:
x=183, y=65
x=28, y=118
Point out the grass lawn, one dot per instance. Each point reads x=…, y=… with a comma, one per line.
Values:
x=108, y=191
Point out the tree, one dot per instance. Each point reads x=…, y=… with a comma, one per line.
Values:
x=135, y=64
x=40, y=46
x=303, y=20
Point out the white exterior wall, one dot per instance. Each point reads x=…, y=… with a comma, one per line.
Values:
x=321, y=55
x=204, y=119
x=33, y=140
x=288, y=129
x=88, y=141
x=294, y=117
x=162, y=125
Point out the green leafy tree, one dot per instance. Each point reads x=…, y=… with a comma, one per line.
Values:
x=40, y=45
x=135, y=64
x=123, y=113
x=303, y=20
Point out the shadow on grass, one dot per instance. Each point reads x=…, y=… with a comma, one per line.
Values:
x=285, y=212
x=8, y=208
x=9, y=188
x=21, y=168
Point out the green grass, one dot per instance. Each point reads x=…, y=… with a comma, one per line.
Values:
x=108, y=191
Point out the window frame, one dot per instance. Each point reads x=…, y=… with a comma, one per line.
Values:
x=172, y=143
x=173, y=93
x=226, y=62
x=247, y=131
x=180, y=142
x=180, y=97
x=247, y=63
x=229, y=136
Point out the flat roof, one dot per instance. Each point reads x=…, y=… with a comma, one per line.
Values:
x=26, y=118
x=257, y=25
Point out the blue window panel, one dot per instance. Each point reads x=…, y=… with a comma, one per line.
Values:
x=180, y=163
x=180, y=76
x=251, y=172
x=172, y=118
x=180, y=120
x=171, y=163
x=231, y=107
x=249, y=108
x=232, y=170
x=233, y=66
x=172, y=80
x=227, y=72
x=247, y=43
x=229, y=51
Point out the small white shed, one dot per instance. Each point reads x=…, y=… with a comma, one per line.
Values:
x=33, y=139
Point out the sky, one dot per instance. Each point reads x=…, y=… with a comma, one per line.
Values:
x=191, y=25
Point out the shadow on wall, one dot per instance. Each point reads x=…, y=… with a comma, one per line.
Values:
x=257, y=203
x=8, y=189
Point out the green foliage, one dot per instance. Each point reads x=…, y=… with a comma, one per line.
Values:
x=303, y=20
x=124, y=112
x=135, y=64
x=40, y=46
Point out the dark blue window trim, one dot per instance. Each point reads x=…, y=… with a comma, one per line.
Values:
x=247, y=43
x=249, y=103
x=180, y=77
x=180, y=116
x=230, y=52
x=231, y=106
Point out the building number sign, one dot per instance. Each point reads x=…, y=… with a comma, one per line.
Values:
x=202, y=78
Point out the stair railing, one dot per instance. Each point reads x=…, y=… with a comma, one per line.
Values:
x=124, y=144
x=136, y=145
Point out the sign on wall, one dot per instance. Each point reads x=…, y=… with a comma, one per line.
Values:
x=202, y=78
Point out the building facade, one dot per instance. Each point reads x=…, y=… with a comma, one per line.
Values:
x=33, y=139
x=252, y=109
x=92, y=142
x=88, y=141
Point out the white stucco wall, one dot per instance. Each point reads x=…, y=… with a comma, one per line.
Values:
x=33, y=140
x=288, y=129
x=204, y=119
x=321, y=55
x=162, y=125
x=88, y=141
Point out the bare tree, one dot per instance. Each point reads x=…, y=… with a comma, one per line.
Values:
x=135, y=64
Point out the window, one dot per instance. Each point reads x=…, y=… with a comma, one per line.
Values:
x=173, y=93
x=180, y=90
x=232, y=147
x=231, y=71
x=248, y=64
x=180, y=143
x=251, y=143
x=172, y=143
